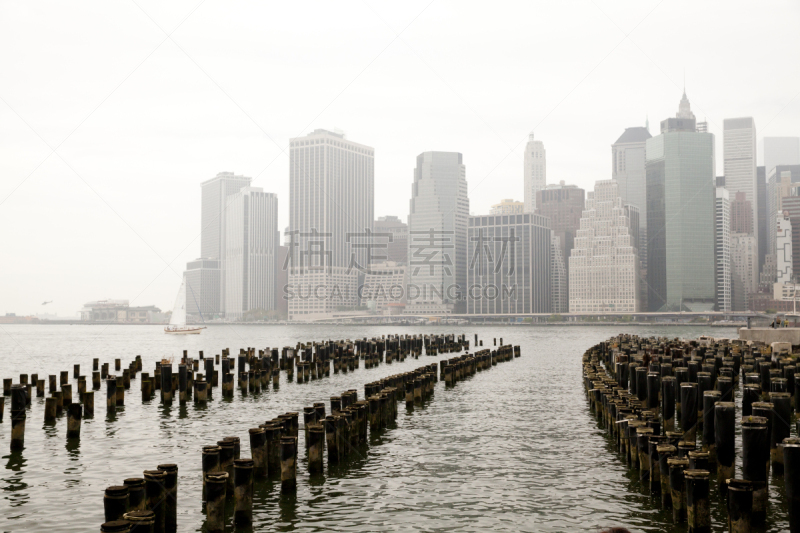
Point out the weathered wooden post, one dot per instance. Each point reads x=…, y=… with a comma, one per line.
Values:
x=155, y=493
x=288, y=464
x=216, y=489
x=18, y=417
x=170, y=496
x=115, y=502
x=243, y=492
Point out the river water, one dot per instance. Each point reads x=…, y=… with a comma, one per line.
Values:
x=510, y=449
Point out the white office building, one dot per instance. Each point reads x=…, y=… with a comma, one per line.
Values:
x=535, y=163
x=251, y=252
x=739, y=146
x=331, y=214
x=558, y=277
x=722, y=250
x=604, y=266
x=437, y=235
x=208, y=272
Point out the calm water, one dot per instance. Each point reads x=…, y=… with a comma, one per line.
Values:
x=510, y=449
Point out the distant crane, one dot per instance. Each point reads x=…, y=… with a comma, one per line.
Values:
x=45, y=303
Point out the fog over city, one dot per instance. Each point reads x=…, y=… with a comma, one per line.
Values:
x=113, y=113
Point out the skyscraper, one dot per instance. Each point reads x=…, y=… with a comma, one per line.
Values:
x=739, y=142
x=331, y=213
x=437, y=234
x=722, y=250
x=761, y=209
x=680, y=215
x=785, y=257
x=203, y=289
x=779, y=183
x=743, y=255
x=604, y=266
x=216, y=195
x=535, y=172
x=559, y=287
x=252, y=241
x=563, y=205
x=391, y=233
x=509, y=268
x=628, y=168
x=781, y=151
x=741, y=214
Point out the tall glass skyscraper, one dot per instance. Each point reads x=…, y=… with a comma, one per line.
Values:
x=437, y=235
x=680, y=215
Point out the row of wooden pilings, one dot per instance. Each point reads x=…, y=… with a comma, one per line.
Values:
x=312, y=361
x=61, y=397
x=274, y=445
x=670, y=406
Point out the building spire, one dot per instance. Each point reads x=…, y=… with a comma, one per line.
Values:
x=647, y=123
x=684, y=109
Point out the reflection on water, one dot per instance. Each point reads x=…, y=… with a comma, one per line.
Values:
x=510, y=449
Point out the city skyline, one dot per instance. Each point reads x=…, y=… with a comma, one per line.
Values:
x=163, y=122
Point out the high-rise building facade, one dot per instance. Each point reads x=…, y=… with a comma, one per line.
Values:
x=391, y=240
x=741, y=175
x=780, y=180
x=604, y=266
x=509, y=264
x=384, y=286
x=331, y=213
x=741, y=213
x=559, y=288
x=535, y=163
x=785, y=257
x=203, y=289
x=743, y=254
x=508, y=207
x=761, y=210
x=252, y=244
x=437, y=235
x=680, y=215
x=781, y=151
x=628, y=168
x=563, y=205
x=216, y=195
x=790, y=207
x=739, y=146
x=722, y=250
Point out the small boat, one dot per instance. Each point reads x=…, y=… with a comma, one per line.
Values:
x=177, y=323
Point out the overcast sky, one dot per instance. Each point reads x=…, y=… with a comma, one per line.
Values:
x=113, y=112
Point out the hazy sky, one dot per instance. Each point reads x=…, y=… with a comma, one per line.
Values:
x=142, y=101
